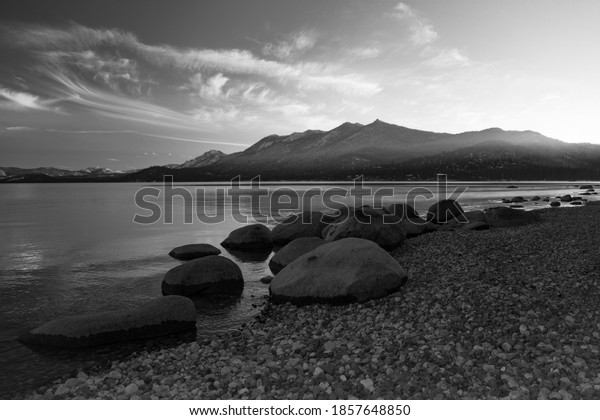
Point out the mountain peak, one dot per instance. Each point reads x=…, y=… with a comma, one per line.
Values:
x=207, y=158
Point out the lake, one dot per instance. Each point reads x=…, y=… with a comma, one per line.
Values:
x=74, y=248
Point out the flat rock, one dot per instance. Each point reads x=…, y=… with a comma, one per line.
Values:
x=161, y=316
x=203, y=276
x=347, y=270
x=293, y=250
x=249, y=237
x=302, y=225
x=507, y=217
x=375, y=225
x=192, y=251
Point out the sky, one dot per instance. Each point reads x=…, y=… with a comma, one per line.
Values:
x=129, y=84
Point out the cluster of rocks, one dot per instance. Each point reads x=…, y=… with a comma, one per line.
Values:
x=574, y=200
x=324, y=258
x=502, y=314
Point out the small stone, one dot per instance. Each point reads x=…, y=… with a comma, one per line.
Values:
x=62, y=390
x=506, y=347
x=329, y=345
x=523, y=330
x=368, y=384
x=131, y=389
x=318, y=371
x=266, y=279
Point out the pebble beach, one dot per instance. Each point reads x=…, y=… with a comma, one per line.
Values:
x=508, y=313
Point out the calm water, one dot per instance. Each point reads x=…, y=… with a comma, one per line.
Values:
x=73, y=248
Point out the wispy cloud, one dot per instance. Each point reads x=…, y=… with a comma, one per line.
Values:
x=21, y=128
x=13, y=100
x=80, y=44
x=422, y=32
x=449, y=58
x=293, y=43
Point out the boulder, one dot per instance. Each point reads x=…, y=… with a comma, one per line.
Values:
x=546, y=199
x=293, y=250
x=518, y=199
x=249, y=237
x=192, y=251
x=300, y=225
x=161, y=316
x=203, y=276
x=586, y=187
x=444, y=211
x=506, y=201
x=536, y=198
x=555, y=204
x=515, y=206
x=402, y=210
x=566, y=198
x=507, y=217
x=512, y=186
x=344, y=271
x=576, y=203
x=375, y=225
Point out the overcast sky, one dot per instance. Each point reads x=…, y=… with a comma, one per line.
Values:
x=129, y=84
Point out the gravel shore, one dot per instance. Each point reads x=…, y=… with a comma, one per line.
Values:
x=505, y=313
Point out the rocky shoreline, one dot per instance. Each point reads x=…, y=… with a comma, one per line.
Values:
x=501, y=313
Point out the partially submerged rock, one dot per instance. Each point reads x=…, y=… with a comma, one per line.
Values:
x=293, y=250
x=518, y=199
x=302, y=225
x=203, y=276
x=348, y=270
x=566, y=198
x=555, y=204
x=507, y=217
x=192, y=251
x=375, y=225
x=249, y=237
x=161, y=316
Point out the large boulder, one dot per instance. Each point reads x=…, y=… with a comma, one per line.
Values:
x=507, y=217
x=302, y=225
x=161, y=316
x=249, y=237
x=293, y=250
x=386, y=230
x=402, y=210
x=566, y=198
x=586, y=187
x=348, y=270
x=444, y=211
x=415, y=226
x=193, y=251
x=203, y=276
x=518, y=199
x=475, y=216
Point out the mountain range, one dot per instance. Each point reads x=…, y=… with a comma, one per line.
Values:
x=382, y=151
